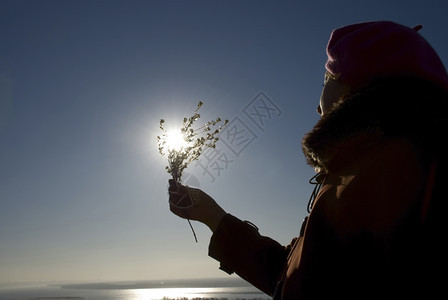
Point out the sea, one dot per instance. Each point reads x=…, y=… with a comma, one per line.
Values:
x=193, y=289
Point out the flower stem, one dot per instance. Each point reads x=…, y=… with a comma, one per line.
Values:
x=194, y=233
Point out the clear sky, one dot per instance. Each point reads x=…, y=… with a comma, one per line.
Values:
x=83, y=85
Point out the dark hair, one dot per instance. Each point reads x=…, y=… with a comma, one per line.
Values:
x=408, y=107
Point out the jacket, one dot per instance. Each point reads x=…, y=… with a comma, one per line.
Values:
x=376, y=228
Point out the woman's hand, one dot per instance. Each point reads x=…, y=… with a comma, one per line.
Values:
x=194, y=204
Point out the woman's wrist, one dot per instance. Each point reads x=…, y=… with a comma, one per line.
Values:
x=215, y=219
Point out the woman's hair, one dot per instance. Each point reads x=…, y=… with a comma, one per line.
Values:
x=402, y=106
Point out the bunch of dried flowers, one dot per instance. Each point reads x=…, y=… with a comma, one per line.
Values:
x=195, y=141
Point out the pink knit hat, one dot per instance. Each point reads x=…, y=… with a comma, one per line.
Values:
x=360, y=53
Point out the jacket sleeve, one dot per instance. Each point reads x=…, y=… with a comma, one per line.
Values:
x=239, y=247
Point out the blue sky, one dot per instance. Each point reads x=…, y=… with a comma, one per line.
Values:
x=83, y=85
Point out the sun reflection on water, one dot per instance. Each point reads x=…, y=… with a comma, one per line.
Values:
x=173, y=293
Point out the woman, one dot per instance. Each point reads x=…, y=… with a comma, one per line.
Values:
x=376, y=225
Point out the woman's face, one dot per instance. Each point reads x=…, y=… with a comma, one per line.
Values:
x=332, y=91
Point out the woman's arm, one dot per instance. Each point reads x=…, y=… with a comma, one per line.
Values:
x=236, y=244
x=240, y=248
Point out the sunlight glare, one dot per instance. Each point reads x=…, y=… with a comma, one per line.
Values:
x=171, y=293
x=175, y=140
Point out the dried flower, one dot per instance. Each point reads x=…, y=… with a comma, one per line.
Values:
x=187, y=144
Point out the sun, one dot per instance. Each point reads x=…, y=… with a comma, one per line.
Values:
x=175, y=140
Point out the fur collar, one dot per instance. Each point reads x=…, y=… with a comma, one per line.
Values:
x=340, y=136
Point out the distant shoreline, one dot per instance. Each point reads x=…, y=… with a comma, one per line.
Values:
x=164, y=283
x=154, y=284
